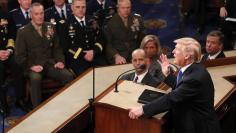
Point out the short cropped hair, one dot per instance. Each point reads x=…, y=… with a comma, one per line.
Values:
x=218, y=34
x=34, y=5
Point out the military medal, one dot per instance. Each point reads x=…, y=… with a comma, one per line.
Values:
x=71, y=32
x=53, y=21
x=62, y=21
x=50, y=33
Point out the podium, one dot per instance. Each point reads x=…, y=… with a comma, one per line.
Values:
x=111, y=111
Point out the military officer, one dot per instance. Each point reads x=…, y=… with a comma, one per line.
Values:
x=4, y=55
x=85, y=48
x=58, y=15
x=102, y=10
x=7, y=62
x=123, y=33
x=40, y=54
x=18, y=17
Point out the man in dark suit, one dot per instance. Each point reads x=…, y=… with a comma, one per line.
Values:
x=192, y=99
x=58, y=15
x=123, y=34
x=141, y=75
x=18, y=17
x=214, y=46
x=84, y=38
x=38, y=52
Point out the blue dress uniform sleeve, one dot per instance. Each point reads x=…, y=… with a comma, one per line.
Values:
x=16, y=20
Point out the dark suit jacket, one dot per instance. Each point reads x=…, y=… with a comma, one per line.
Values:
x=147, y=80
x=205, y=56
x=32, y=49
x=121, y=39
x=191, y=102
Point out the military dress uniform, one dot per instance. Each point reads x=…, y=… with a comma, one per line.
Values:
x=16, y=20
x=57, y=19
x=101, y=12
x=81, y=38
x=3, y=43
x=41, y=48
x=15, y=78
x=123, y=39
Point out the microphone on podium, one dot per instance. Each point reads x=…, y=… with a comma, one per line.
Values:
x=143, y=66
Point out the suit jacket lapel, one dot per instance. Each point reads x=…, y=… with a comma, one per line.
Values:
x=186, y=72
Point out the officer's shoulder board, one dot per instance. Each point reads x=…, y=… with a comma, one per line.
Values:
x=14, y=10
x=137, y=15
x=21, y=28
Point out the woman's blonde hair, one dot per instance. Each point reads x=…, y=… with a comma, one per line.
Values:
x=151, y=38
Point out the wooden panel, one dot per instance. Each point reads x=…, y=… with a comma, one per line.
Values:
x=111, y=119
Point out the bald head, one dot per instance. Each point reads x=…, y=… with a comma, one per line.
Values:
x=138, y=59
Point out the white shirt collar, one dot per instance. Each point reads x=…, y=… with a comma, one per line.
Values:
x=103, y=3
x=24, y=12
x=185, y=67
x=140, y=77
x=79, y=20
x=63, y=8
x=211, y=57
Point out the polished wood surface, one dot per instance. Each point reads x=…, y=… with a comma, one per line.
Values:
x=112, y=119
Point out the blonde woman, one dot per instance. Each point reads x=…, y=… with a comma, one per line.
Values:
x=152, y=48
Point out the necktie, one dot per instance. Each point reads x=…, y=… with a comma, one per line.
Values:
x=136, y=79
x=82, y=24
x=27, y=16
x=39, y=31
x=101, y=6
x=63, y=14
x=179, y=76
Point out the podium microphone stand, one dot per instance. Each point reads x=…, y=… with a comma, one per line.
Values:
x=91, y=105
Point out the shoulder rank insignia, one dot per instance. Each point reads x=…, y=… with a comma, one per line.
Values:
x=3, y=22
x=62, y=21
x=53, y=21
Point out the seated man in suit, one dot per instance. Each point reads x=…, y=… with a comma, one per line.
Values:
x=38, y=52
x=214, y=46
x=141, y=74
x=191, y=102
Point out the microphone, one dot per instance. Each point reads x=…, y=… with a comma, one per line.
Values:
x=143, y=66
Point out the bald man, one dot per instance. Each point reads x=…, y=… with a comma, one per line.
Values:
x=141, y=74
